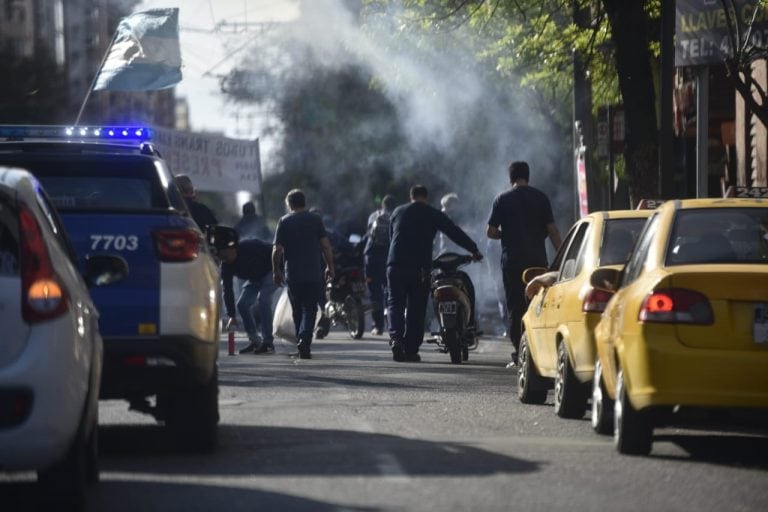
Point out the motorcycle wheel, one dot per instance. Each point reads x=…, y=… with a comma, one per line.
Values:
x=354, y=317
x=452, y=343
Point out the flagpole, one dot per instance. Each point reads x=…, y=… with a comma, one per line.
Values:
x=95, y=77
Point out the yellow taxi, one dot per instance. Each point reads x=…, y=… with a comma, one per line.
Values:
x=557, y=347
x=688, y=322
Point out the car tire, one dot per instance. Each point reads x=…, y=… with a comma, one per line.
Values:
x=602, y=404
x=632, y=429
x=64, y=485
x=193, y=416
x=570, y=394
x=531, y=387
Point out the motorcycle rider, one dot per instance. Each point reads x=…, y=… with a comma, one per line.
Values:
x=412, y=231
x=375, y=253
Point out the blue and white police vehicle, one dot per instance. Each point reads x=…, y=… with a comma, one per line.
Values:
x=160, y=325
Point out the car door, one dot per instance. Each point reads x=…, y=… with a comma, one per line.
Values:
x=553, y=311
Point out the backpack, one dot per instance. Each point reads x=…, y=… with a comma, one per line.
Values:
x=380, y=230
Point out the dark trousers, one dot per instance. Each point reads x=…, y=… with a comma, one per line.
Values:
x=514, y=289
x=376, y=272
x=304, y=298
x=408, y=288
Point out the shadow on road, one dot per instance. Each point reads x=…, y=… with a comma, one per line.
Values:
x=722, y=449
x=248, y=450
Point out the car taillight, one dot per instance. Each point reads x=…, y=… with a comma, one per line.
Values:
x=677, y=306
x=43, y=296
x=595, y=300
x=177, y=244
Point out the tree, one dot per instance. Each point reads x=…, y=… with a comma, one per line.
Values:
x=744, y=51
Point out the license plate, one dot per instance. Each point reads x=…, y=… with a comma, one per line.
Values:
x=760, y=326
x=447, y=308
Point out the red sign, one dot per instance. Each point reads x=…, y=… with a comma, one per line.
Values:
x=581, y=174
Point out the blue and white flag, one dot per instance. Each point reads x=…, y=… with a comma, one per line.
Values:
x=144, y=54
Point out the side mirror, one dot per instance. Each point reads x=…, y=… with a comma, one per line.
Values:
x=103, y=270
x=532, y=273
x=605, y=279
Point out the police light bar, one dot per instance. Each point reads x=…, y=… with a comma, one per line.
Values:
x=126, y=133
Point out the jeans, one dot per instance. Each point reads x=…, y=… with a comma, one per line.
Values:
x=514, y=289
x=257, y=296
x=305, y=298
x=408, y=289
x=376, y=272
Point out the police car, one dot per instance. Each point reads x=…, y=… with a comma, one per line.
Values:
x=160, y=325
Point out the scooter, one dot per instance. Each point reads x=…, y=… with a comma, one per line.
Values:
x=345, y=303
x=453, y=295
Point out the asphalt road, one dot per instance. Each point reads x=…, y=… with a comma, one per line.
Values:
x=353, y=430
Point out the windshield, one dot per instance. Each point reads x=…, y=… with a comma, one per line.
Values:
x=719, y=235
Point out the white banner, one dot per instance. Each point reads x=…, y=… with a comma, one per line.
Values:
x=214, y=163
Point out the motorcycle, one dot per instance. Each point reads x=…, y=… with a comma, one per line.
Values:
x=453, y=296
x=345, y=303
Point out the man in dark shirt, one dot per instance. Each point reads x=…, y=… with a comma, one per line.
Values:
x=250, y=260
x=412, y=231
x=375, y=253
x=522, y=219
x=300, y=242
x=252, y=225
x=201, y=214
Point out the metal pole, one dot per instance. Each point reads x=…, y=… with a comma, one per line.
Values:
x=95, y=77
x=702, y=131
x=666, y=144
x=611, y=170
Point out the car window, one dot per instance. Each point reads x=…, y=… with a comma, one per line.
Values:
x=91, y=185
x=557, y=262
x=719, y=235
x=568, y=270
x=637, y=259
x=9, y=239
x=619, y=237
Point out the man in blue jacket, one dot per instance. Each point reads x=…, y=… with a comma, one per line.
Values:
x=412, y=231
x=250, y=260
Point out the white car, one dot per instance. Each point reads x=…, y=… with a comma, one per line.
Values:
x=50, y=347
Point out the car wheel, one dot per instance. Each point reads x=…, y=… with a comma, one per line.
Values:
x=64, y=484
x=570, y=394
x=531, y=388
x=602, y=404
x=354, y=316
x=193, y=415
x=632, y=429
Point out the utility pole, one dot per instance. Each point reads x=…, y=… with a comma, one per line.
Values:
x=667, y=142
x=582, y=117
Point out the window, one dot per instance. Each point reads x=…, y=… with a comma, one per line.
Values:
x=563, y=248
x=9, y=240
x=619, y=237
x=637, y=258
x=569, y=270
x=719, y=235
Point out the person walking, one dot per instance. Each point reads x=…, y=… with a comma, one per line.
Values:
x=252, y=225
x=522, y=219
x=201, y=214
x=375, y=260
x=301, y=244
x=412, y=231
x=251, y=261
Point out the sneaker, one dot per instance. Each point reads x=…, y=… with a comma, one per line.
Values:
x=376, y=331
x=413, y=358
x=265, y=349
x=398, y=354
x=251, y=348
x=304, y=351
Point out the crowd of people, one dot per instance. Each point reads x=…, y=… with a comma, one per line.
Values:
x=396, y=253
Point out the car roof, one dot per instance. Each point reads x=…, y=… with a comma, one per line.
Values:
x=718, y=202
x=47, y=146
x=11, y=177
x=628, y=214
